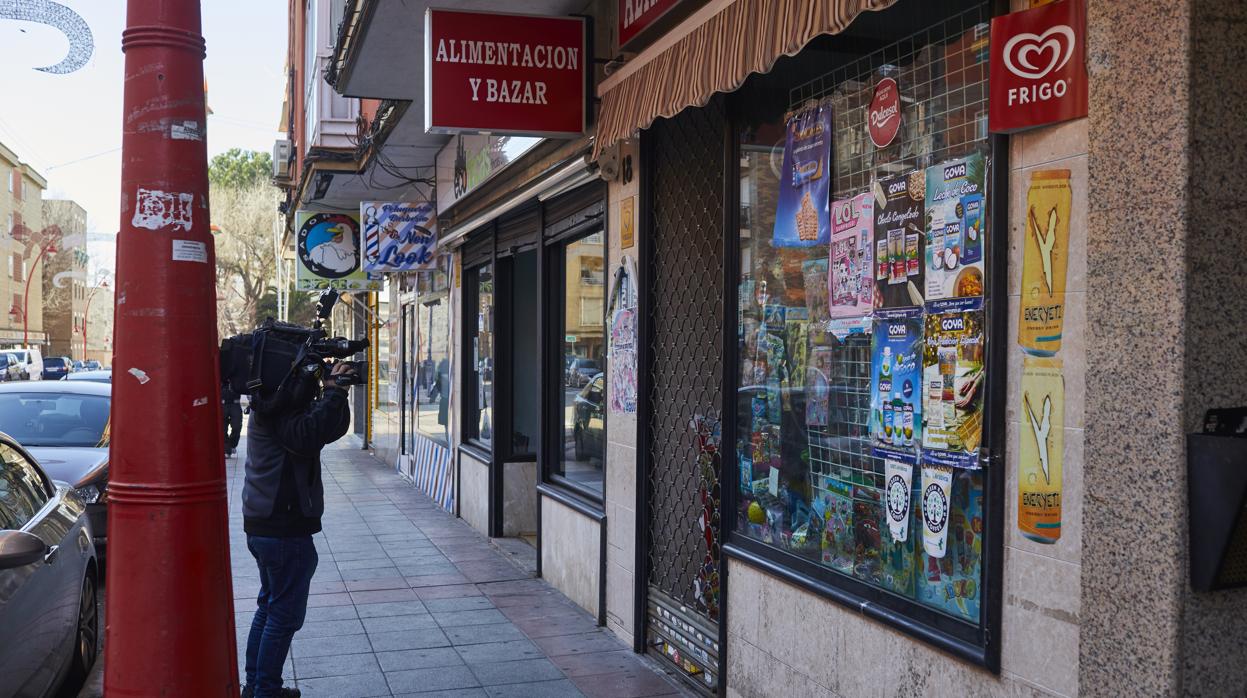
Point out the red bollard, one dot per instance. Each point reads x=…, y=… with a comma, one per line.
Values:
x=169, y=618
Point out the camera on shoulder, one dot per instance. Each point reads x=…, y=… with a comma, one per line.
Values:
x=280, y=365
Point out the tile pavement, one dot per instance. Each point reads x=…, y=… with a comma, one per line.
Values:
x=408, y=600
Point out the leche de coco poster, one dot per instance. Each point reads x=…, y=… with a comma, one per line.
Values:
x=802, y=218
x=955, y=228
x=327, y=245
x=399, y=236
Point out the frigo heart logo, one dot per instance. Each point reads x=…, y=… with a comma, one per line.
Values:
x=1025, y=54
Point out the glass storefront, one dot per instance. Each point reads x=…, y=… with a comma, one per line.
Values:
x=861, y=317
x=582, y=383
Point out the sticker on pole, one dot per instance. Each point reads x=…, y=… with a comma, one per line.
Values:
x=156, y=210
x=190, y=251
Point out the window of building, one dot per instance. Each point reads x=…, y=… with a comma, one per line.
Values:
x=524, y=356
x=479, y=349
x=432, y=398
x=579, y=463
x=862, y=318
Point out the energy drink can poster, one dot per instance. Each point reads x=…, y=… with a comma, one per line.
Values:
x=899, y=240
x=802, y=218
x=896, y=375
x=955, y=227
x=953, y=382
x=852, y=276
x=1045, y=257
x=1041, y=448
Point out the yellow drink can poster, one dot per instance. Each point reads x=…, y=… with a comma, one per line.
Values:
x=1040, y=450
x=1044, y=260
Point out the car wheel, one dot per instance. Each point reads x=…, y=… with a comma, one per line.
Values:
x=88, y=635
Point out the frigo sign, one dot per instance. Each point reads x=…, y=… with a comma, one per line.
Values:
x=1039, y=66
x=510, y=74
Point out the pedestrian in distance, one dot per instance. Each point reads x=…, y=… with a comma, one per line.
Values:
x=232, y=408
x=282, y=502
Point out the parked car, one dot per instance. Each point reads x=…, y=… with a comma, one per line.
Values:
x=581, y=371
x=31, y=361
x=101, y=376
x=77, y=365
x=49, y=627
x=66, y=426
x=55, y=368
x=91, y=365
x=10, y=369
x=589, y=419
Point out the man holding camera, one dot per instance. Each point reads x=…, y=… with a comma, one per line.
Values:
x=283, y=500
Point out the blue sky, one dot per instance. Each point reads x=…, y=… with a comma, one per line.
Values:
x=69, y=126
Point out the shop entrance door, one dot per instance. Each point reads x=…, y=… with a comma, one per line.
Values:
x=681, y=595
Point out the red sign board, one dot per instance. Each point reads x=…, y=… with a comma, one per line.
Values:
x=883, y=118
x=635, y=16
x=1039, y=66
x=505, y=73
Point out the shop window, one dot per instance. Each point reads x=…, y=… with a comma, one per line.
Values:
x=479, y=349
x=524, y=355
x=861, y=376
x=432, y=398
x=579, y=462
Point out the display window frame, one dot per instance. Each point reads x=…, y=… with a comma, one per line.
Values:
x=977, y=642
x=470, y=439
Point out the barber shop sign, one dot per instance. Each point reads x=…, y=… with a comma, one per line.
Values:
x=1039, y=66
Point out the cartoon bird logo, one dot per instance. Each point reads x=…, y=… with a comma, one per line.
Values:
x=1041, y=427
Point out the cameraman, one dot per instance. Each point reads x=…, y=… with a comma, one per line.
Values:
x=282, y=502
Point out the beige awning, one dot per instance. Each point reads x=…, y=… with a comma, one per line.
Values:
x=714, y=50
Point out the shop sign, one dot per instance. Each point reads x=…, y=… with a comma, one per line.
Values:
x=635, y=16
x=883, y=118
x=399, y=236
x=1038, y=66
x=327, y=245
x=505, y=73
x=468, y=160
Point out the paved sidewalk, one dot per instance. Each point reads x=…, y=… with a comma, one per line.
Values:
x=408, y=600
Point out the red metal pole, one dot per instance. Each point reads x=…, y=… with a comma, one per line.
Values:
x=169, y=625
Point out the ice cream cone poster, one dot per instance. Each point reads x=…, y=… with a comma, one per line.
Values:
x=802, y=218
x=896, y=375
x=1045, y=257
x=956, y=219
x=953, y=382
x=937, y=487
x=899, y=240
x=898, y=476
x=852, y=278
x=1040, y=449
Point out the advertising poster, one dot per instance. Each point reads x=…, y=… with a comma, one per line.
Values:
x=896, y=377
x=898, y=555
x=899, y=240
x=802, y=218
x=1040, y=450
x=327, y=245
x=951, y=581
x=399, y=236
x=852, y=279
x=898, y=474
x=956, y=219
x=953, y=382
x=1045, y=256
x=623, y=377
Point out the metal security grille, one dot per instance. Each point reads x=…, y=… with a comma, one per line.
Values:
x=685, y=400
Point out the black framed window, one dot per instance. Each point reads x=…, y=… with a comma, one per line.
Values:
x=478, y=348
x=577, y=270
x=868, y=316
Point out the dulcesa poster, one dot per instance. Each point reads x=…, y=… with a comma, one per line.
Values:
x=802, y=218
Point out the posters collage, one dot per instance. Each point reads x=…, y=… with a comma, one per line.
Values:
x=880, y=354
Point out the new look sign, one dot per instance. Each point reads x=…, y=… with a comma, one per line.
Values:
x=1038, y=66
x=505, y=73
x=399, y=236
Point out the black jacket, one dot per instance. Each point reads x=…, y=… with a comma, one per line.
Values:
x=283, y=494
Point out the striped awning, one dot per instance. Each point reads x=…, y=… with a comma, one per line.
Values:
x=714, y=50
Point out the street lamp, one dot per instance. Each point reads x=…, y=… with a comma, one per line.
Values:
x=48, y=247
x=86, y=316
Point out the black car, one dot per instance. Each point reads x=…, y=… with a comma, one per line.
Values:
x=581, y=371
x=49, y=624
x=57, y=367
x=589, y=419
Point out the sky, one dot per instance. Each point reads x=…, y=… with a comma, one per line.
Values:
x=68, y=127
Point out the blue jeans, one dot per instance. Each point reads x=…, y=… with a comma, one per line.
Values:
x=286, y=568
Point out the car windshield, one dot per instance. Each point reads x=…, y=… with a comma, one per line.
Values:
x=55, y=419
x=19, y=355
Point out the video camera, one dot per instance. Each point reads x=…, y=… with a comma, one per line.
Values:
x=279, y=364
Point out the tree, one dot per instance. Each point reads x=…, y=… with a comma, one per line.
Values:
x=302, y=310
x=244, y=211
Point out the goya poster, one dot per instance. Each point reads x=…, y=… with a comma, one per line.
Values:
x=896, y=377
x=899, y=240
x=1040, y=450
x=1045, y=256
x=956, y=218
x=801, y=217
x=852, y=279
x=327, y=245
x=953, y=379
